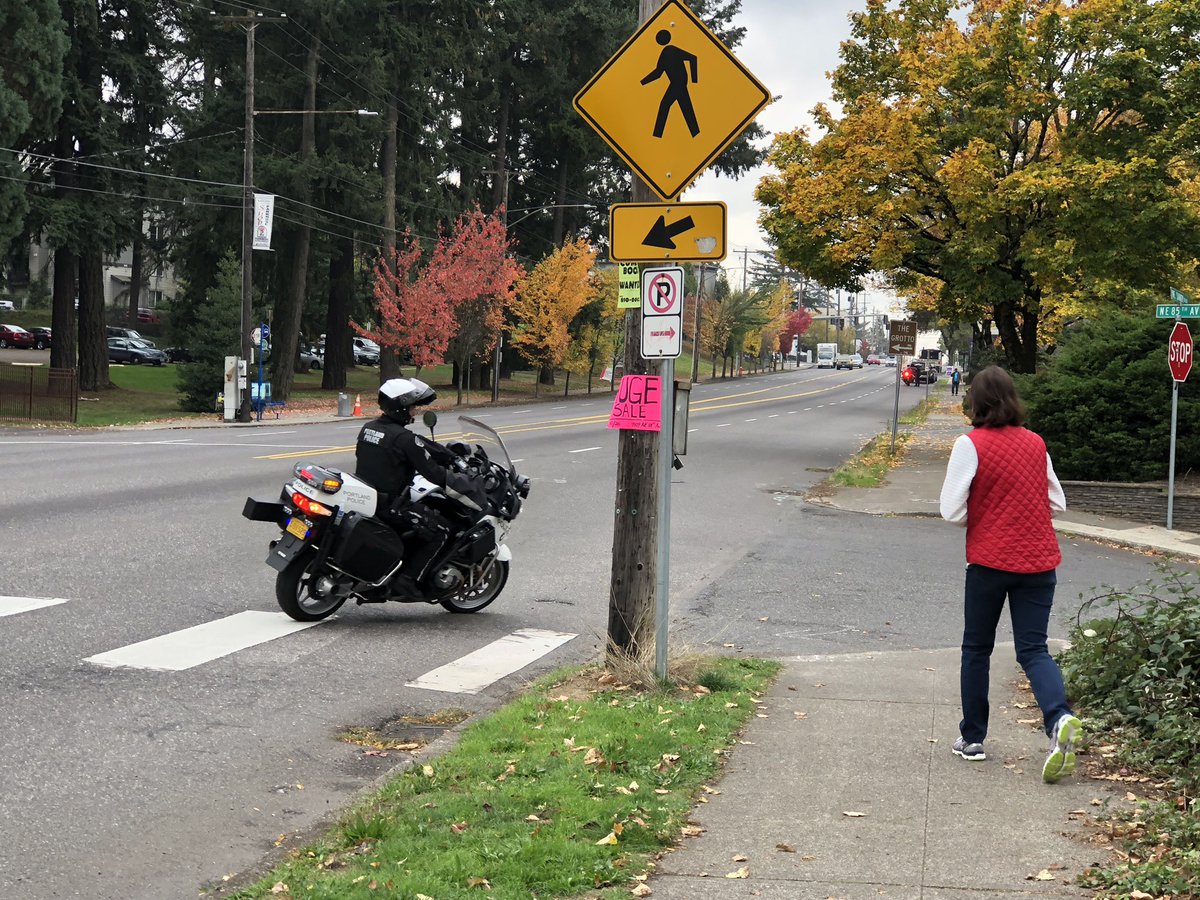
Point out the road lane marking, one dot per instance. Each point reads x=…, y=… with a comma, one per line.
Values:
x=584, y=450
x=199, y=644
x=726, y=425
x=10, y=606
x=472, y=673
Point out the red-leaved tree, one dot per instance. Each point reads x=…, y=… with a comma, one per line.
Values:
x=472, y=270
x=414, y=317
x=797, y=323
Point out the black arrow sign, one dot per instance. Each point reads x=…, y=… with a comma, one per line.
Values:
x=662, y=235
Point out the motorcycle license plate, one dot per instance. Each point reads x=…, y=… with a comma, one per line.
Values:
x=298, y=527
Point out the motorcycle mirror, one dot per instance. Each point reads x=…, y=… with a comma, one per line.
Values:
x=430, y=419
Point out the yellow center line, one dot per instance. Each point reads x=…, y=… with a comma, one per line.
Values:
x=553, y=424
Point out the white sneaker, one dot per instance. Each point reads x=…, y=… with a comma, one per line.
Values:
x=1061, y=761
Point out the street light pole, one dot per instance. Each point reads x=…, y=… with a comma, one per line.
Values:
x=247, y=227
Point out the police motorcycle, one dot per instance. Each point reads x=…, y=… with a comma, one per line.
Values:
x=334, y=546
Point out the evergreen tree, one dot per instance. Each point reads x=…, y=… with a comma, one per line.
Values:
x=212, y=338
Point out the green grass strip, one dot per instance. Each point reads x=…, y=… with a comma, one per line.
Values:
x=569, y=789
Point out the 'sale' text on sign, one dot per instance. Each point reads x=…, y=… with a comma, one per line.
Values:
x=638, y=405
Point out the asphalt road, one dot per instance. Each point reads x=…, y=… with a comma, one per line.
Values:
x=131, y=783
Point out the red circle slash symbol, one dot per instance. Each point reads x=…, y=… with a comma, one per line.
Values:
x=662, y=293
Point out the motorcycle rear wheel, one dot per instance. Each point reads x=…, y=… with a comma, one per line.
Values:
x=473, y=599
x=294, y=591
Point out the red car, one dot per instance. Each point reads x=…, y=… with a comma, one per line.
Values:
x=15, y=336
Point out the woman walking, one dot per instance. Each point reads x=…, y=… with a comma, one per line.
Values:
x=1000, y=484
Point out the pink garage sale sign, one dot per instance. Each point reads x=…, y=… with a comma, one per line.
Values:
x=639, y=404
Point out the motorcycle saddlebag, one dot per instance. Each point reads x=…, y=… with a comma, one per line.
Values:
x=366, y=549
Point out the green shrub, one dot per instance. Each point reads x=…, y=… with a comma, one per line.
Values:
x=1103, y=402
x=1135, y=671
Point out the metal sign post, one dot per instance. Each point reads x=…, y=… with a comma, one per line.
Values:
x=662, y=592
x=1179, y=360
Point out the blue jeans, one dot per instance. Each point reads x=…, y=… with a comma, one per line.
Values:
x=1029, y=599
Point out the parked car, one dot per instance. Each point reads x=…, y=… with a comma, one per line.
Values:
x=7, y=305
x=147, y=315
x=130, y=350
x=41, y=337
x=15, y=336
x=117, y=331
x=177, y=354
x=312, y=358
x=366, y=352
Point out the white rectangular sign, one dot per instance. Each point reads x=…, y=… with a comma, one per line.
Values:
x=662, y=336
x=264, y=216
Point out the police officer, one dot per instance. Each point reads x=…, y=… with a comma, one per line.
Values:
x=388, y=455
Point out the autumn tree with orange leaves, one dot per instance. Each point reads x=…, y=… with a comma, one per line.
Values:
x=414, y=318
x=548, y=300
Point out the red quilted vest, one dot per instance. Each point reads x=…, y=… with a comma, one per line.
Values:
x=1008, y=510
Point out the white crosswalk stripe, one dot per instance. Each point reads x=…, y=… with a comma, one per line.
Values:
x=472, y=673
x=10, y=606
x=199, y=644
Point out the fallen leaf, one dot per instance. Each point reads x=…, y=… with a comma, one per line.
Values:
x=731, y=705
x=661, y=791
x=1044, y=875
x=1141, y=895
x=701, y=728
x=763, y=618
x=807, y=858
x=785, y=848
x=691, y=831
x=607, y=678
x=593, y=757
x=641, y=890
x=729, y=645
x=1028, y=721
x=372, y=884
x=610, y=838
x=1131, y=796
x=278, y=887
x=743, y=872
x=852, y=814
x=710, y=790
x=741, y=857
x=701, y=689
x=479, y=882
x=459, y=827
x=427, y=771
x=800, y=715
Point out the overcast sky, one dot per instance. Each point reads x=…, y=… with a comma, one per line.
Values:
x=790, y=45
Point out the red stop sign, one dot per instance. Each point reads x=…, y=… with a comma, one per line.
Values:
x=1179, y=352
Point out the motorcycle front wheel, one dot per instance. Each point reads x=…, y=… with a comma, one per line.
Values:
x=304, y=594
x=471, y=599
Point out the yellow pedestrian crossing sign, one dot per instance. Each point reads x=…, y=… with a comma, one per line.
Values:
x=671, y=99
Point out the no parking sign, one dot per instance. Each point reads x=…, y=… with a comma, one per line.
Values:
x=662, y=312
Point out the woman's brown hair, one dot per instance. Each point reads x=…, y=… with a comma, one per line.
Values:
x=993, y=401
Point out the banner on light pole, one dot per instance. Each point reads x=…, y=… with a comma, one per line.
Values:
x=264, y=216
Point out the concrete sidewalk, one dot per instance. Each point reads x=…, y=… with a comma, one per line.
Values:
x=870, y=734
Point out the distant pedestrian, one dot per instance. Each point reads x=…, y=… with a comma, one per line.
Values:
x=955, y=378
x=1000, y=484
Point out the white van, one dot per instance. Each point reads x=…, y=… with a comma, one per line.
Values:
x=7, y=305
x=826, y=356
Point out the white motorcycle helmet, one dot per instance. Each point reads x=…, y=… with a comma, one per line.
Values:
x=398, y=396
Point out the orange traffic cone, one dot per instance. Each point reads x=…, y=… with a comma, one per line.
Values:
x=358, y=404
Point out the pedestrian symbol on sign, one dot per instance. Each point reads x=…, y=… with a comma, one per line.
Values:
x=676, y=64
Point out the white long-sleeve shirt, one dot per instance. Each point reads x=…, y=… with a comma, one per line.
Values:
x=960, y=472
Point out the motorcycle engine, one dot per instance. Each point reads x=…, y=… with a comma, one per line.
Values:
x=447, y=578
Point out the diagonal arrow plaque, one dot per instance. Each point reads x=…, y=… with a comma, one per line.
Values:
x=654, y=232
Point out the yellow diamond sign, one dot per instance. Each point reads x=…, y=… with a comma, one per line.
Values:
x=671, y=99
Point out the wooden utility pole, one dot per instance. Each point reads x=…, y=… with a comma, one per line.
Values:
x=635, y=534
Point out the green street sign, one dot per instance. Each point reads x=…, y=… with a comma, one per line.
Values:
x=1173, y=311
x=1178, y=296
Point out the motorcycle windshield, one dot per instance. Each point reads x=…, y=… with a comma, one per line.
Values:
x=476, y=432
